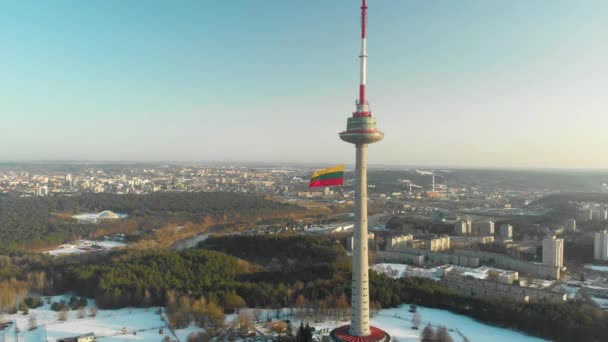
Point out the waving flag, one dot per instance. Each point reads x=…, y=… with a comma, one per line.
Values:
x=328, y=177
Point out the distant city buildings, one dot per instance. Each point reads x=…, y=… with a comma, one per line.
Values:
x=463, y=227
x=68, y=180
x=571, y=225
x=506, y=232
x=486, y=228
x=553, y=251
x=350, y=242
x=436, y=244
x=598, y=214
x=600, y=245
x=398, y=242
x=466, y=241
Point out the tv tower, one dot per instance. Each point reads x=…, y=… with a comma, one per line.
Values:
x=361, y=130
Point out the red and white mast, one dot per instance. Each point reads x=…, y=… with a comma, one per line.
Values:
x=362, y=105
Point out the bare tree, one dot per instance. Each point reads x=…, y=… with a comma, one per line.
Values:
x=279, y=327
x=428, y=334
x=257, y=314
x=93, y=311
x=31, y=322
x=415, y=321
x=82, y=312
x=442, y=335
x=244, y=321
x=62, y=315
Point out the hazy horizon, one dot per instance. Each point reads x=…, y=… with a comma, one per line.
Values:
x=269, y=163
x=470, y=84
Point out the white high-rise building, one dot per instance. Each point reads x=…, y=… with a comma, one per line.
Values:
x=571, y=225
x=553, y=251
x=600, y=245
x=506, y=232
x=440, y=243
x=460, y=228
x=43, y=190
x=395, y=242
x=603, y=214
x=486, y=228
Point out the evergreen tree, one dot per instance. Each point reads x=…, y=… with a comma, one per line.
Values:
x=304, y=333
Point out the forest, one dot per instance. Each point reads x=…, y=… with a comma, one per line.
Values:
x=310, y=274
x=38, y=221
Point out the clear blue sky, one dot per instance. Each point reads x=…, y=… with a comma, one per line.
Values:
x=520, y=83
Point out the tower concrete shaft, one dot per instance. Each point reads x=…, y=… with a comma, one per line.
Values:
x=361, y=130
x=360, y=284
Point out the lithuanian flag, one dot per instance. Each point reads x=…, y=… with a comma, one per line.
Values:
x=328, y=177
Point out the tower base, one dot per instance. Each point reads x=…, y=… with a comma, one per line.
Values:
x=342, y=334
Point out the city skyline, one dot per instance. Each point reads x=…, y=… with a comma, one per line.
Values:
x=503, y=84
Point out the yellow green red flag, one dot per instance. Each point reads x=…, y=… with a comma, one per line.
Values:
x=328, y=177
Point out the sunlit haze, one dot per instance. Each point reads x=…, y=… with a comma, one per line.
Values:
x=456, y=83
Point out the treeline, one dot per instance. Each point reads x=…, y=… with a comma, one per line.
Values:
x=132, y=278
x=20, y=275
x=37, y=221
x=284, y=249
x=311, y=267
x=559, y=199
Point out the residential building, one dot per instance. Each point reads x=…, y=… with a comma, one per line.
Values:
x=395, y=242
x=436, y=244
x=465, y=241
x=486, y=228
x=474, y=283
x=506, y=232
x=571, y=225
x=600, y=245
x=460, y=228
x=350, y=242
x=553, y=251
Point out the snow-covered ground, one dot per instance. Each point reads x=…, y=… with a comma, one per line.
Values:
x=572, y=290
x=535, y=282
x=108, y=325
x=144, y=325
x=597, y=268
x=398, y=322
x=84, y=246
x=95, y=217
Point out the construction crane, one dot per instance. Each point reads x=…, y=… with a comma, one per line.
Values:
x=445, y=182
